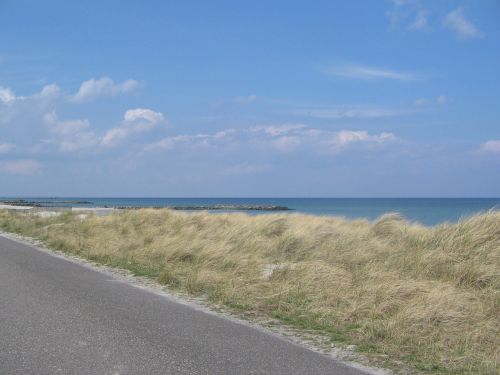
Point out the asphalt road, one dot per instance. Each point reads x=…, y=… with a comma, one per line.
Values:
x=60, y=317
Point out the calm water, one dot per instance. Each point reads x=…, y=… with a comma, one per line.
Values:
x=427, y=211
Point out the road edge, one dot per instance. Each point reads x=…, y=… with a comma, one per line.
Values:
x=280, y=331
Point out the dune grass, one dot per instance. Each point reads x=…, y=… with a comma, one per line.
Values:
x=424, y=296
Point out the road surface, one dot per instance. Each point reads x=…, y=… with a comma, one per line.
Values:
x=61, y=317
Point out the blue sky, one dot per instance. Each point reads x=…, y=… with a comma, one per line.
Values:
x=250, y=98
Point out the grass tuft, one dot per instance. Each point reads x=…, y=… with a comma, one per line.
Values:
x=426, y=296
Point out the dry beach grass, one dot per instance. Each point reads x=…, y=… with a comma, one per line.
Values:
x=424, y=296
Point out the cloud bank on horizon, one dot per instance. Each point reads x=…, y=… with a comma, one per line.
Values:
x=400, y=98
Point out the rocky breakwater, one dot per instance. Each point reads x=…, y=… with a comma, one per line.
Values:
x=42, y=203
x=236, y=207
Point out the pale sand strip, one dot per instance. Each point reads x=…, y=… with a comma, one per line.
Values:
x=11, y=207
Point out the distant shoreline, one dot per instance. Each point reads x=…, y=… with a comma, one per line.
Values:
x=427, y=211
x=26, y=204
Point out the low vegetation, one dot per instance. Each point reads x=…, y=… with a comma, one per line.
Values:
x=423, y=296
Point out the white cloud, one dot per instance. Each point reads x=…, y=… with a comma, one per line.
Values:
x=275, y=130
x=7, y=95
x=245, y=99
x=423, y=101
x=5, y=148
x=224, y=134
x=18, y=110
x=286, y=143
x=420, y=22
x=115, y=136
x=411, y=13
x=49, y=92
x=23, y=167
x=441, y=99
x=491, y=146
x=169, y=142
x=267, y=138
x=192, y=141
x=458, y=23
x=71, y=135
x=401, y=2
x=342, y=112
x=103, y=86
x=346, y=137
x=143, y=117
x=369, y=73
x=396, y=14
x=136, y=121
x=324, y=141
x=248, y=168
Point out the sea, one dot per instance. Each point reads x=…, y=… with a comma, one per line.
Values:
x=427, y=211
